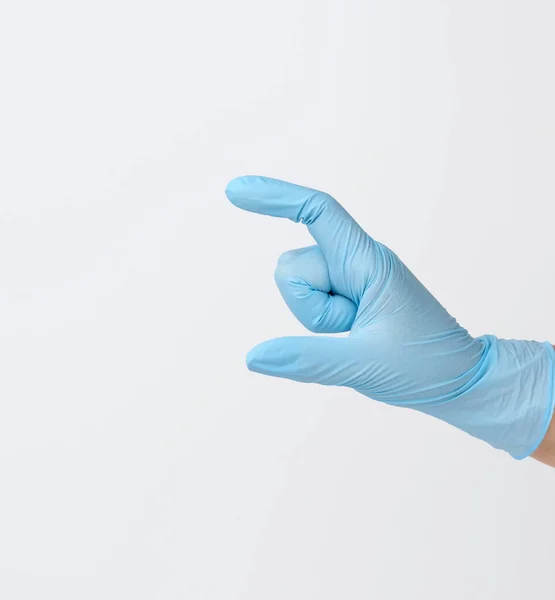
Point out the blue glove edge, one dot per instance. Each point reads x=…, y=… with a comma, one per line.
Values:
x=549, y=410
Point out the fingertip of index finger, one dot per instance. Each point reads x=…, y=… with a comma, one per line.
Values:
x=240, y=188
x=265, y=195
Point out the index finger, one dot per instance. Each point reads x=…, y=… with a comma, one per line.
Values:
x=334, y=230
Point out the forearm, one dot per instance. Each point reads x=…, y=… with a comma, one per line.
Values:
x=546, y=450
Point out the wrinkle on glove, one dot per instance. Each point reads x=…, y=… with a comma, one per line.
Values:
x=403, y=348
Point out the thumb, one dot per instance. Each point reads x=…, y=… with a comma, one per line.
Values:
x=318, y=359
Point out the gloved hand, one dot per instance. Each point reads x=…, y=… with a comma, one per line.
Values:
x=404, y=348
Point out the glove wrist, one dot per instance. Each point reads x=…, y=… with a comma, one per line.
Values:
x=510, y=402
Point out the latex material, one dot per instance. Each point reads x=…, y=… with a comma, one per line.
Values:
x=404, y=348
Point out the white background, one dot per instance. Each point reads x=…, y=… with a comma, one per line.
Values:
x=138, y=457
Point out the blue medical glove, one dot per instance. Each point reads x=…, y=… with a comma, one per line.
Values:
x=404, y=348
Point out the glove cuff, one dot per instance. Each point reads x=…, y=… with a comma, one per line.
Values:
x=510, y=404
